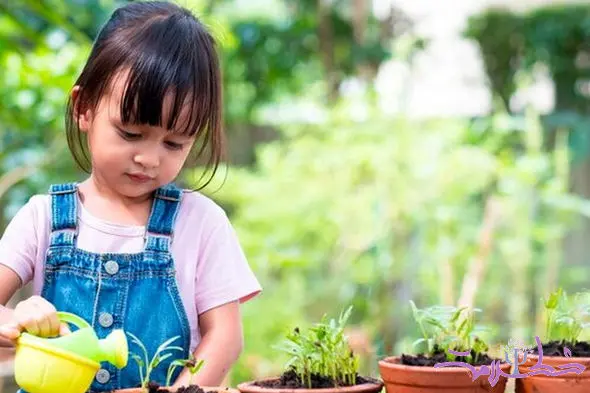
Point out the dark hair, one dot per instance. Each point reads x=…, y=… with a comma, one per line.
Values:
x=168, y=52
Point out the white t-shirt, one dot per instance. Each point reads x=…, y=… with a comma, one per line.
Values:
x=211, y=268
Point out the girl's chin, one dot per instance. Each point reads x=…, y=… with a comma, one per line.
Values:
x=135, y=190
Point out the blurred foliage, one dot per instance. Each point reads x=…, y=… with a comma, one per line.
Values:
x=556, y=36
x=499, y=36
x=553, y=38
x=353, y=212
x=279, y=55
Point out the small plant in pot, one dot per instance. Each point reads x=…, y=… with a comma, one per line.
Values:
x=562, y=363
x=320, y=361
x=449, y=334
x=147, y=365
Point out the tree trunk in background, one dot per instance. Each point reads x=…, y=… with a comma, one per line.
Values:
x=326, y=40
x=360, y=15
x=244, y=139
x=360, y=18
x=476, y=271
x=517, y=260
x=576, y=242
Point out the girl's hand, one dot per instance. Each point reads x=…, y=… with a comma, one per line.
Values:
x=36, y=316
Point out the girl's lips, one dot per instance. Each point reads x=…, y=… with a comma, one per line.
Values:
x=139, y=177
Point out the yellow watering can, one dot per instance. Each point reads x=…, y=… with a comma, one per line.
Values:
x=69, y=363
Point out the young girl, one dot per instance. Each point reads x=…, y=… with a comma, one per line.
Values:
x=127, y=249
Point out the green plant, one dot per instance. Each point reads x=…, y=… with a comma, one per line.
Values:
x=145, y=365
x=566, y=317
x=447, y=328
x=322, y=351
x=191, y=363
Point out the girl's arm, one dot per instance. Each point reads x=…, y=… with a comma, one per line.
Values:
x=10, y=283
x=35, y=314
x=220, y=346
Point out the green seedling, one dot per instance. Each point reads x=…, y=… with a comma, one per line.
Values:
x=322, y=351
x=566, y=317
x=145, y=365
x=445, y=328
x=193, y=365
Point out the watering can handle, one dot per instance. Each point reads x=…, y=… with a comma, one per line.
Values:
x=73, y=319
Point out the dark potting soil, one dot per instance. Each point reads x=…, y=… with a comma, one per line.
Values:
x=440, y=357
x=290, y=380
x=556, y=348
x=153, y=387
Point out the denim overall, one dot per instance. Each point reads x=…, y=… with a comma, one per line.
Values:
x=134, y=292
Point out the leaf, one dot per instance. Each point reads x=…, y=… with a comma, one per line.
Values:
x=178, y=362
x=435, y=322
x=415, y=311
x=166, y=343
x=463, y=326
x=332, y=324
x=566, y=320
x=164, y=358
x=345, y=316
x=175, y=348
x=138, y=359
x=457, y=314
x=141, y=362
x=195, y=369
x=553, y=299
x=419, y=341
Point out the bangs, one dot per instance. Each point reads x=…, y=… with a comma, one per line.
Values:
x=170, y=82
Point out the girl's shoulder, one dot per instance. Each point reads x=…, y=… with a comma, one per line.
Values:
x=196, y=203
x=38, y=206
x=200, y=216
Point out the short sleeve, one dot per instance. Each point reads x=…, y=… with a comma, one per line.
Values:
x=18, y=245
x=223, y=274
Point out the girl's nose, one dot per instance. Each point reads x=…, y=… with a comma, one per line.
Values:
x=147, y=159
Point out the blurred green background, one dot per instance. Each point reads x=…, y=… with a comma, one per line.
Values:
x=380, y=151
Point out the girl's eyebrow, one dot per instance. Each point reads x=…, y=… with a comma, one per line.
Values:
x=179, y=137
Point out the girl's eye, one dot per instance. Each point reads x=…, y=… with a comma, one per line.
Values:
x=129, y=135
x=173, y=145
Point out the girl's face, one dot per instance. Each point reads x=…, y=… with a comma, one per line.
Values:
x=132, y=160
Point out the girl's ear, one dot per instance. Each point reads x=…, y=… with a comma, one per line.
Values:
x=80, y=113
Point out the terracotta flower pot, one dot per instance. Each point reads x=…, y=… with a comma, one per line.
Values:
x=400, y=378
x=218, y=389
x=371, y=387
x=567, y=383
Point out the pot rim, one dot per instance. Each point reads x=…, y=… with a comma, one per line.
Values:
x=572, y=358
x=219, y=389
x=374, y=386
x=388, y=362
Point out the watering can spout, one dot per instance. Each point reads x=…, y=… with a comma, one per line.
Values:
x=114, y=349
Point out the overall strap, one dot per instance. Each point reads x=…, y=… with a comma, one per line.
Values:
x=64, y=214
x=160, y=227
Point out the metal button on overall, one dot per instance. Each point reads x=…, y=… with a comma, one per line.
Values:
x=103, y=376
x=105, y=319
x=111, y=267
